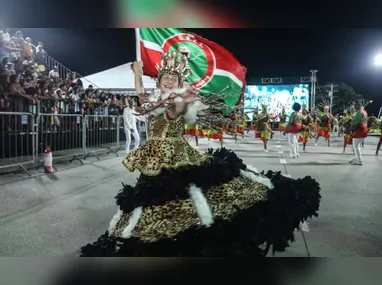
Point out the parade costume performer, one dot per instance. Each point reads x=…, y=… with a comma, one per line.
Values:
x=241, y=125
x=263, y=130
x=187, y=203
x=235, y=127
x=193, y=131
x=255, y=116
x=293, y=130
x=282, y=123
x=347, y=120
x=324, y=126
x=247, y=122
x=212, y=134
x=359, y=132
x=307, y=126
x=380, y=139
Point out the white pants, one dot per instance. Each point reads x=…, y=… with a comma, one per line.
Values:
x=137, y=139
x=335, y=128
x=293, y=144
x=357, y=146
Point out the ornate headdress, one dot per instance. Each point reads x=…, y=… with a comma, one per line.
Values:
x=326, y=107
x=174, y=63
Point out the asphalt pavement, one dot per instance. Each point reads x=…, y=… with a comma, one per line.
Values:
x=55, y=214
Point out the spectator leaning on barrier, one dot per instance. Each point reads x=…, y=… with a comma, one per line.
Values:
x=10, y=69
x=53, y=74
x=40, y=57
x=29, y=48
x=3, y=64
x=19, y=43
x=75, y=98
x=69, y=79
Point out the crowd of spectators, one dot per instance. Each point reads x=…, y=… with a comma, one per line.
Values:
x=26, y=86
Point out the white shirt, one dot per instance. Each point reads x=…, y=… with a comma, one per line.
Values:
x=6, y=37
x=54, y=74
x=130, y=119
x=76, y=99
x=55, y=94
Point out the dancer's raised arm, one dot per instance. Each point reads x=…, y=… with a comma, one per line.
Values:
x=139, y=88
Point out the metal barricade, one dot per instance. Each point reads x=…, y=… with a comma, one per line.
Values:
x=102, y=135
x=63, y=133
x=17, y=140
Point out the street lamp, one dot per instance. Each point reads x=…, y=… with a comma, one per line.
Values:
x=378, y=60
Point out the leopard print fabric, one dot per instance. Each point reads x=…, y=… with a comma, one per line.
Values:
x=166, y=221
x=166, y=148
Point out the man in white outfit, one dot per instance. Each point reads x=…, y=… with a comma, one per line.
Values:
x=293, y=130
x=130, y=123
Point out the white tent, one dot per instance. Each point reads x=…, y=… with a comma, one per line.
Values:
x=119, y=78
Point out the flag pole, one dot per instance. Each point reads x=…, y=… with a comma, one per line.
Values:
x=139, y=58
x=137, y=44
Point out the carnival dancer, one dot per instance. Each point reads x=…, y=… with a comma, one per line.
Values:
x=307, y=125
x=347, y=120
x=241, y=124
x=263, y=130
x=247, y=121
x=130, y=124
x=380, y=139
x=282, y=123
x=363, y=143
x=187, y=203
x=214, y=134
x=359, y=132
x=293, y=129
x=231, y=128
x=324, y=127
x=341, y=122
x=255, y=116
x=193, y=131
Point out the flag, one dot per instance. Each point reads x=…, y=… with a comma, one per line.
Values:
x=213, y=68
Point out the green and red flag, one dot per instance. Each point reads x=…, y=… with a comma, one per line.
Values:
x=213, y=68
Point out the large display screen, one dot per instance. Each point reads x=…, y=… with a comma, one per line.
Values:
x=275, y=97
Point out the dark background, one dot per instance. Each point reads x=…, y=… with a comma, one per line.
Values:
x=338, y=39
x=338, y=54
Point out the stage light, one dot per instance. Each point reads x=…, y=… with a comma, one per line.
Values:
x=378, y=60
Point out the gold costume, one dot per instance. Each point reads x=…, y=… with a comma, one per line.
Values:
x=166, y=148
x=188, y=204
x=174, y=217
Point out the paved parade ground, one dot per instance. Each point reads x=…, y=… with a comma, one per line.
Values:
x=54, y=215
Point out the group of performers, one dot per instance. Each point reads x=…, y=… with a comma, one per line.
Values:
x=315, y=124
x=235, y=127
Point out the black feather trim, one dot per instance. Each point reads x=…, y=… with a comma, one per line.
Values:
x=272, y=221
x=171, y=184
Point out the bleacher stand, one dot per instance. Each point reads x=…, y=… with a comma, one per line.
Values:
x=40, y=107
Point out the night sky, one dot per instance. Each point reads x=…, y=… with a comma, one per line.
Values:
x=338, y=54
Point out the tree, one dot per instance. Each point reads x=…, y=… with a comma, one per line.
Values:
x=342, y=99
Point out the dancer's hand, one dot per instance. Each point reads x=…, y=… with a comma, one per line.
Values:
x=190, y=96
x=138, y=67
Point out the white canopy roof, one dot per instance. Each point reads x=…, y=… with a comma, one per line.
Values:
x=120, y=78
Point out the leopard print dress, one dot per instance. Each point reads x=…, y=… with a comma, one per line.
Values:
x=187, y=203
x=168, y=149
